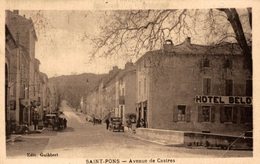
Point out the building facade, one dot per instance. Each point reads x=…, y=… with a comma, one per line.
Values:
x=192, y=87
x=126, y=91
x=25, y=89
x=11, y=51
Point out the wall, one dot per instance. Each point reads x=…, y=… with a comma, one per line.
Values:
x=170, y=88
x=130, y=92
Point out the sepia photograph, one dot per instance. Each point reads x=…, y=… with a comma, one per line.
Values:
x=129, y=86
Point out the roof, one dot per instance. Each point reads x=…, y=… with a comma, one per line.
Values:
x=126, y=71
x=111, y=77
x=8, y=34
x=43, y=76
x=11, y=16
x=187, y=48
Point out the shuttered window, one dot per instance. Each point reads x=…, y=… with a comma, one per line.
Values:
x=206, y=62
x=206, y=114
x=206, y=86
x=246, y=114
x=228, y=114
x=181, y=113
x=228, y=64
x=229, y=87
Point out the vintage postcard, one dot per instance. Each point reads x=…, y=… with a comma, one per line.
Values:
x=129, y=82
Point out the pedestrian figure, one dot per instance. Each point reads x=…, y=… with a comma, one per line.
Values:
x=142, y=123
x=94, y=120
x=35, y=120
x=56, y=123
x=129, y=124
x=107, y=122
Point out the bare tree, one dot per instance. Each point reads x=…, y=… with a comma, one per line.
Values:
x=134, y=31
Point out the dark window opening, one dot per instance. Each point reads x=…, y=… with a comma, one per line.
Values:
x=206, y=86
x=229, y=87
x=228, y=64
x=246, y=115
x=228, y=114
x=206, y=62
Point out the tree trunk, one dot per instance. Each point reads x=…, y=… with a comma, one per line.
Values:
x=235, y=22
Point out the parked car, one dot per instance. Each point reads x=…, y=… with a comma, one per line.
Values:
x=50, y=120
x=55, y=121
x=116, y=124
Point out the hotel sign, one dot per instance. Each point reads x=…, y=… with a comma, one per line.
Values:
x=228, y=100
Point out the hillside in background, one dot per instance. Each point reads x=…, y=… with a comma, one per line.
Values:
x=73, y=87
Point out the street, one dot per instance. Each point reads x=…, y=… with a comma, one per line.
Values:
x=82, y=139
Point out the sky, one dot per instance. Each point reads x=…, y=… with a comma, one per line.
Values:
x=64, y=46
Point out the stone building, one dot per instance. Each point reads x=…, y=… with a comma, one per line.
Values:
x=22, y=28
x=191, y=87
x=24, y=83
x=11, y=48
x=126, y=91
x=44, y=95
x=101, y=101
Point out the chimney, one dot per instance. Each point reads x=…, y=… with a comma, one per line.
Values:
x=16, y=12
x=188, y=40
x=129, y=65
x=168, y=45
x=115, y=68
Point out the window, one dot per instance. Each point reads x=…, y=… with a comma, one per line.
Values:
x=246, y=114
x=228, y=114
x=206, y=86
x=229, y=87
x=206, y=62
x=249, y=88
x=181, y=112
x=228, y=63
x=206, y=114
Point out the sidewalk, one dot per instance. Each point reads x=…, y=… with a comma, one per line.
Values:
x=152, y=140
x=191, y=139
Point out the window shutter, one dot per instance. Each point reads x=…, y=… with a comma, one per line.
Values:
x=222, y=114
x=234, y=118
x=242, y=115
x=213, y=109
x=200, y=118
x=187, y=114
x=175, y=113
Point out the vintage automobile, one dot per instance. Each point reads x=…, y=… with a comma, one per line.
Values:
x=55, y=121
x=116, y=124
x=49, y=120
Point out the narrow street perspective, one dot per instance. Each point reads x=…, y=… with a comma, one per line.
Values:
x=129, y=83
x=83, y=139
